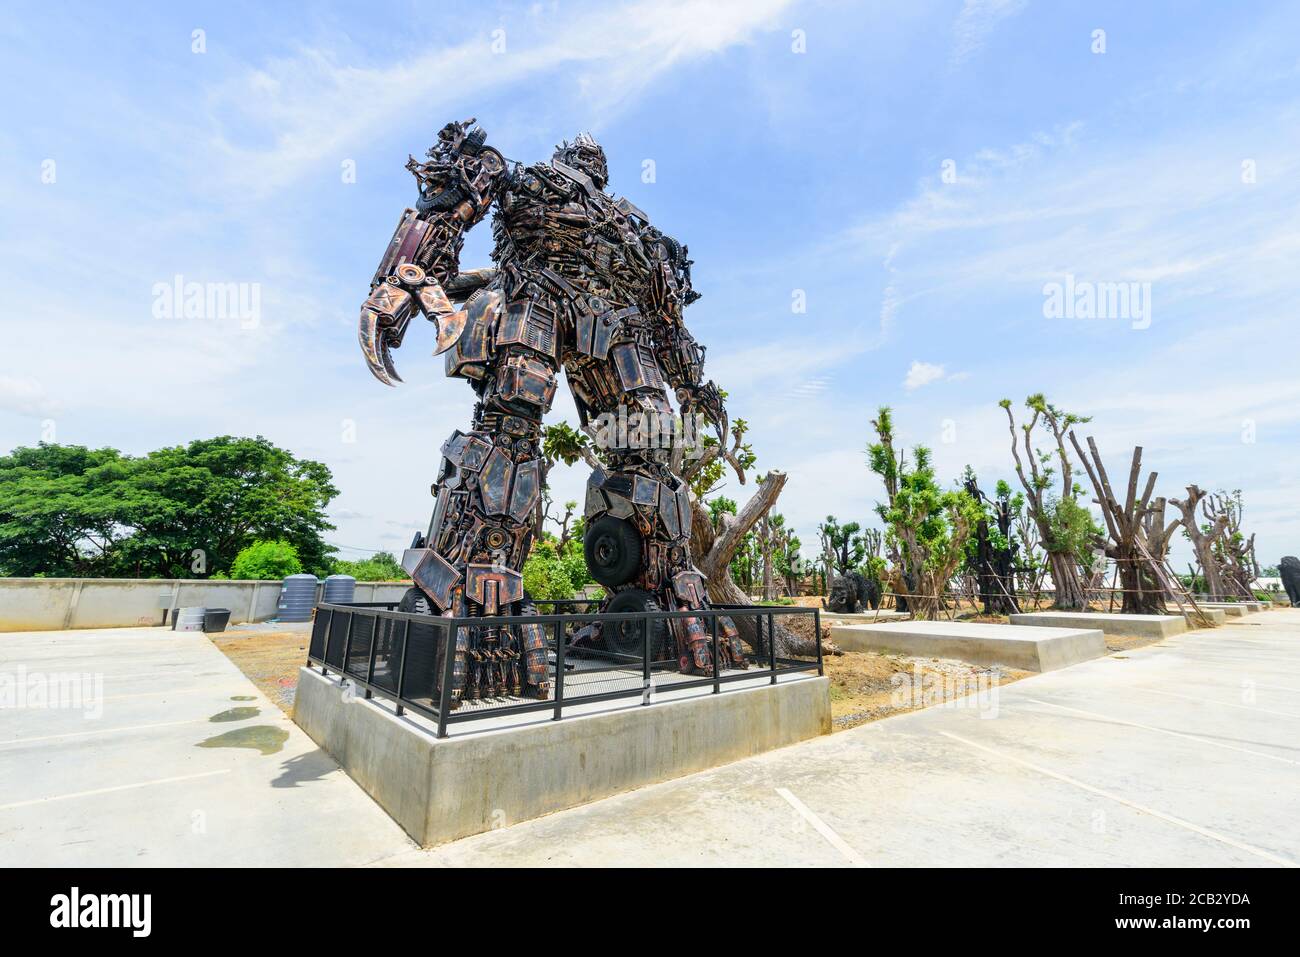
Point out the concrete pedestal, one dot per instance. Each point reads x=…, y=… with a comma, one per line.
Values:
x=442, y=789
x=1032, y=649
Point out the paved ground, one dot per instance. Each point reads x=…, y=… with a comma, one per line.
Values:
x=150, y=760
x=1184, y=752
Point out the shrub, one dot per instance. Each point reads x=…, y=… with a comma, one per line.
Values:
x=379, y=567
x=265, y=560
x=545, y=577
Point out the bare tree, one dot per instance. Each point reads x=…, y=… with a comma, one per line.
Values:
x=1061, y=554
x=713, y=548
x=1234, y=551
x=1159, y=533
x=1140, y=583
x=1202, y=538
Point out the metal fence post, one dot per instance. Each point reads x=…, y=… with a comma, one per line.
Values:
x=401, y=668
x=817, y=635
x=325, y=651
x=374, y=648
x=347, y=646
x=645, y=661
x=713, y=639
x=559, y=671
x=771, y=638
x=451, y=638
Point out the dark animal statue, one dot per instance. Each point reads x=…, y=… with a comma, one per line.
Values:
x=853, y=593
x=1289, y=568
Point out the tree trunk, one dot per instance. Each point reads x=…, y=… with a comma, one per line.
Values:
x=1202, y=540
x=712, y=553
x=1210, y=568
x=1143, y=593
x=1070, y=595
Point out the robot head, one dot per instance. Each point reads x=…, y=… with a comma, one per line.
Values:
x=585, y=154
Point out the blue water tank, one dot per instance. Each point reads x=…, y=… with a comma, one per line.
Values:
x=297, y=598
x=339, y=589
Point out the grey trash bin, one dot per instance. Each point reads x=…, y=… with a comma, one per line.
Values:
x=216, y=619
x=190, y=619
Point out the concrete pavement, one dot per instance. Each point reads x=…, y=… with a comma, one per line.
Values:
x=1182, y=753
x=142, y=746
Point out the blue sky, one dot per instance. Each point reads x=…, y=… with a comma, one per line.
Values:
x=127, y=159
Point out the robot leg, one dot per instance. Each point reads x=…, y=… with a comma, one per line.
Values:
x=637, y=545
x=470, y=561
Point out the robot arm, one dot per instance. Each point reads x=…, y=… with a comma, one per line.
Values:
x=680, y=356
x=457, y=185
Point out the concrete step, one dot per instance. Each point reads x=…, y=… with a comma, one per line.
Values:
x=1032, y=649
x=1111, y=623
x=863, y=617
x=1233, y=609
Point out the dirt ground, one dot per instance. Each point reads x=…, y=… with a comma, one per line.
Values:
x=269, y=657
x=866, y=686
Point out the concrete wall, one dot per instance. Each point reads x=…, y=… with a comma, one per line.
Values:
x=46, y=604
x=442, y=790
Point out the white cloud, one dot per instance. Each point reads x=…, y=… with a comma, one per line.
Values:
x=922, y=373
x=279, y=119
x=26, y=396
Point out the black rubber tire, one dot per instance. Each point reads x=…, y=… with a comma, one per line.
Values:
x=612, y=548
x=624, y=638
x=422, y=657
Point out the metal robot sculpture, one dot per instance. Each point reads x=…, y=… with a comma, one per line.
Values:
x=582, y=280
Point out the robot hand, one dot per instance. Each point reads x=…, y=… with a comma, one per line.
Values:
x=707, y=400
x=385, y=316
x=387, y=312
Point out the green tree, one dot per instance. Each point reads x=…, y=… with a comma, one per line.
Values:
x=561, y=442
x=266, y=560
x=179, y=512
x=60, y=511
x=844, y=545
x=704, y=474
x=926, y=526
x=221, y=494
x=1065, y=528
x=547, y=574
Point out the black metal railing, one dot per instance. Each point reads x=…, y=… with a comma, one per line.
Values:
x=409, y=659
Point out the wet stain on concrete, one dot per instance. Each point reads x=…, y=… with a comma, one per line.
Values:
x=236, y=714
x=265, y=738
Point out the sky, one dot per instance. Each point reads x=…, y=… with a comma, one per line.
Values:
x=882, y=201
